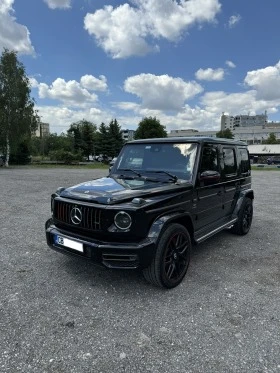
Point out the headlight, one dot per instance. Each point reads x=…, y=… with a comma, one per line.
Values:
x=122, y=220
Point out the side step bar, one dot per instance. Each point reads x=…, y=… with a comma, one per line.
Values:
x=216, y=230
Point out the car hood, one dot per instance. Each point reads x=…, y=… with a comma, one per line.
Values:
x=109, y=190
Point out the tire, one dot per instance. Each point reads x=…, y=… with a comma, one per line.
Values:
x=245, y=217
x=172, y=258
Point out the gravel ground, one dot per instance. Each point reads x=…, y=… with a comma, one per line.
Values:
x=59, y=314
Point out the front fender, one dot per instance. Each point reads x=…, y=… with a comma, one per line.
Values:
x=159, y=224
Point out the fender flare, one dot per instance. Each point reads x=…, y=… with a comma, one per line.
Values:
x=158, y=226
x=242, y=195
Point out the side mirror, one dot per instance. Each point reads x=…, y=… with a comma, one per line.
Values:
x=209, y=177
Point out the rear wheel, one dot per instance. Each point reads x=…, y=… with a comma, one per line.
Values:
x=172, y=258
x=245, y=217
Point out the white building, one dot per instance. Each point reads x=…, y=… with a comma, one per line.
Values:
x=43, y=130
x=240, y=121
x=250, y=135
x=128, y=135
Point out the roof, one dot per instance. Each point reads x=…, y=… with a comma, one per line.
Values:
x=264, y=149
x=197, y=139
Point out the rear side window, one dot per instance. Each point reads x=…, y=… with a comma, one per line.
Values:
x=209, y=161
x=230, y=167
x=245, y=161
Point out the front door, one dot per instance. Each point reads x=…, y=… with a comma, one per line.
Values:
x=208, y=207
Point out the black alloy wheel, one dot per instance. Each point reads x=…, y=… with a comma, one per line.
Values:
x=245, y=217
x=172, y=258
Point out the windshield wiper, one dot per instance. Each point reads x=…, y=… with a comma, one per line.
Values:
x=173, y=177
x=130, y=169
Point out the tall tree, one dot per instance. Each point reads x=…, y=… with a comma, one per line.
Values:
x=84, y=137
x=75, y=133
x=150, y=128
x=271, y=139
x=18, y=118
x=88, y=132
x=104, y=145
x=226, y=134
x=115, y=138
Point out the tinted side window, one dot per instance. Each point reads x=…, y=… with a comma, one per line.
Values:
x=229, y=161
x=209, y=161
x=245, y=162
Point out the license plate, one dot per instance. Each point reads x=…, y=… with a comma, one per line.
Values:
x=71, y=244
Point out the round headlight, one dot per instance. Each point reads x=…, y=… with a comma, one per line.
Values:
x=122, y=220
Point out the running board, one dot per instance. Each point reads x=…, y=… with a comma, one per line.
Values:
x=222, y=227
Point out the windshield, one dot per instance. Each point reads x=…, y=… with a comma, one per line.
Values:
x=174, y=158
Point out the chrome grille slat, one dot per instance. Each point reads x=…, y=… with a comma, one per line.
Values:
x=91, y=216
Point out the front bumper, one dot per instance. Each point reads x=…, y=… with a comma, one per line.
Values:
x=109, y=254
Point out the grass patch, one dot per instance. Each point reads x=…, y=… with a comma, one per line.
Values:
x=254, y=168
x=92, y=166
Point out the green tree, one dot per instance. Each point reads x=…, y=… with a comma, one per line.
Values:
x=271, y=139
x=83, y=134
x=115, y=138
x=103, y=140
x=88, y=132
x=226, y=134
x=18, y=118
x=150, y=128
x=55, y=142
x=74, y=132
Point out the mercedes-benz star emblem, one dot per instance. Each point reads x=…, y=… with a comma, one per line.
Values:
x=76, y=215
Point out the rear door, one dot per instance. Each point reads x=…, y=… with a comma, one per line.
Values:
x=209, y=193
x=231, y=181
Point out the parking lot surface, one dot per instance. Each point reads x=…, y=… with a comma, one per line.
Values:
x=60, y=314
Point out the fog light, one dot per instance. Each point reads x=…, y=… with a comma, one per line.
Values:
x=122, y=220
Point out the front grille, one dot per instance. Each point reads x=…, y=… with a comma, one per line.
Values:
x=90, y=216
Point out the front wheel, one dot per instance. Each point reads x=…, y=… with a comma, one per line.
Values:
x=245, y=217
x=172, y=258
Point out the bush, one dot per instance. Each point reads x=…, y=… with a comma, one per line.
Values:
x=21, y=156
x=65, y=156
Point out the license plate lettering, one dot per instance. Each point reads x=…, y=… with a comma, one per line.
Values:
x=66, y=242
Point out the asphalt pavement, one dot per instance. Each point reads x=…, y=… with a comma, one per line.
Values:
x=60, y=314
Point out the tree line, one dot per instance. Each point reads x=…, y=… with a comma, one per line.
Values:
x=85, y=141
x=82, y=141
x=19, y=121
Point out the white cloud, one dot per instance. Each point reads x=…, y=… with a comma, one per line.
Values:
x=71, y=92
x=60, y=4
x=61, y=117
x=161, y=92
x=190, y=117
x=266, y=82
x=234, y=20
x=210, y=74
x=124, y=31
x=129, y=106
x=230, y=64
x=237, y=103
x=33, y=82
x=94, y=84
x=12, y=34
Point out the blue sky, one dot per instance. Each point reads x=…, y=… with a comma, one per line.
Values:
x=184, y=62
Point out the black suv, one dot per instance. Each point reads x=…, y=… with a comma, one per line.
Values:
x=161, y=197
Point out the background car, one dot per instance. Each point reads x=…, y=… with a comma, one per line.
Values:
x=273, y=160
x=112, y=162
